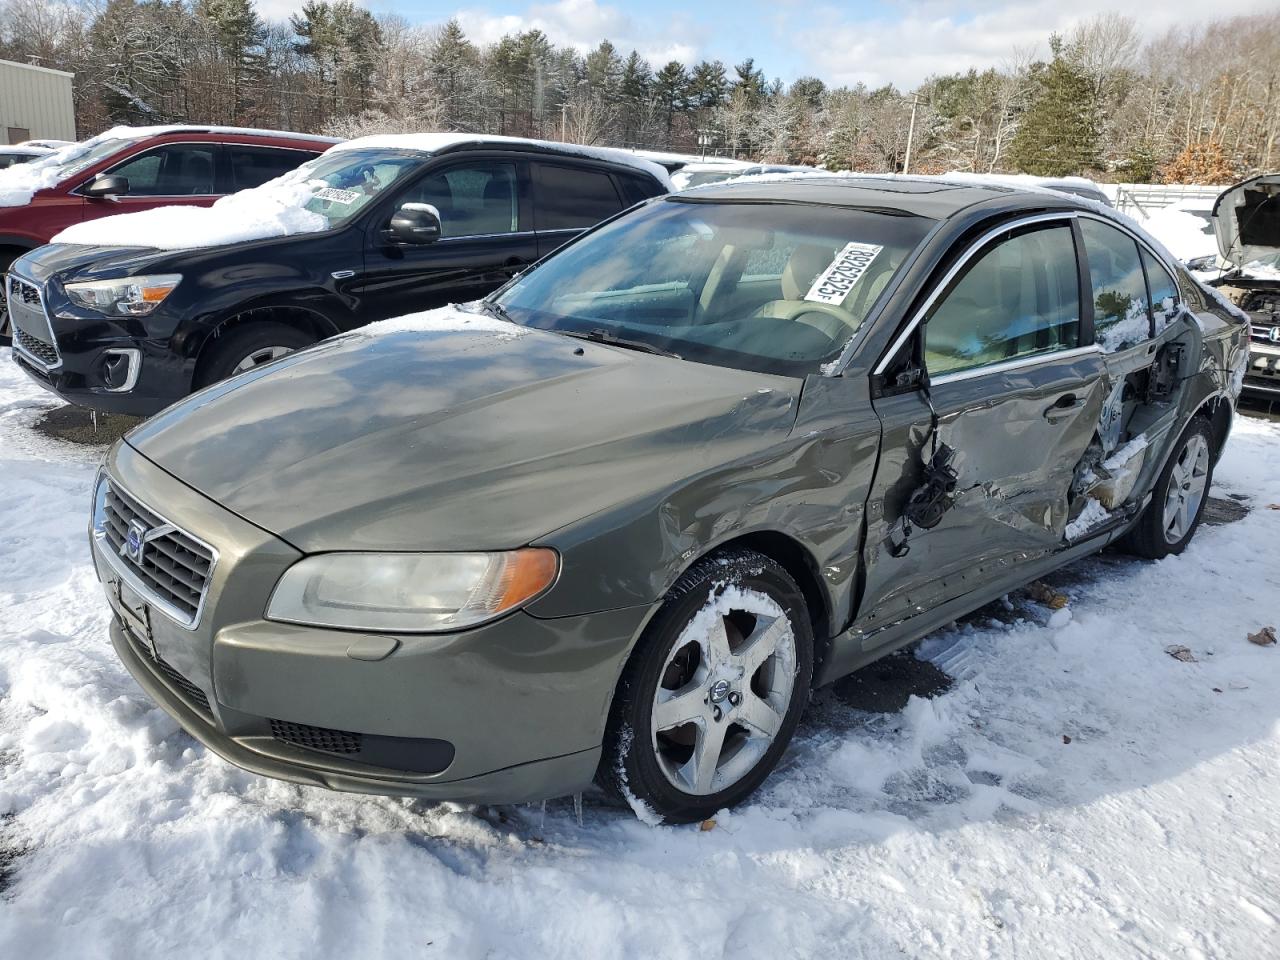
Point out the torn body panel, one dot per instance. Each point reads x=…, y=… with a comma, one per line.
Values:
x=1017, y=436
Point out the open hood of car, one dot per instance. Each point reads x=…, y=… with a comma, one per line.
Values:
x=1246, y=218
x=486, y=436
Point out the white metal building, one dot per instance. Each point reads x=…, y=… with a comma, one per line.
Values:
x=35, y=104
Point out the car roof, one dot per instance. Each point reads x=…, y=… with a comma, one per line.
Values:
x=436, y=144
x=164, y=130
x=936, y=199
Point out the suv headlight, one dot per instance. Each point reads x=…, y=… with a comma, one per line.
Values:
x=128, y=296
x=410, y=592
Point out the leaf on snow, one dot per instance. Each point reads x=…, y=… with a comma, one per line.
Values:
x=1179, y=652
x=1264, y=637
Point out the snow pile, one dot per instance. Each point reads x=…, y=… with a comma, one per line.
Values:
x=1182, y=233
x=20, y=183
x=1093, y=514
x=1262, y=270
x=965, y=825
x=1133, y=327
x=275, y=209
x=450, y=319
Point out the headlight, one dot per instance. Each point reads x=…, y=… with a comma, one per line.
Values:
x=410, y=592
x=1203, y=264
x=128, y=296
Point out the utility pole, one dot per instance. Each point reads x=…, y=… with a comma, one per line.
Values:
x=911, y=133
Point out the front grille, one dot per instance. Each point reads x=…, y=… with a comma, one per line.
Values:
x=173, y=565
x=175, y=678
x=31, y=329
x=46, y=353
x=316, y=738
x=189, y=689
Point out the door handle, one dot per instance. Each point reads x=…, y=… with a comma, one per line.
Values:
x=1065, y=406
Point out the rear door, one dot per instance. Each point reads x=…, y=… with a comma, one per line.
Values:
x=1017, y=387
x=486, y=239
x=568, y=198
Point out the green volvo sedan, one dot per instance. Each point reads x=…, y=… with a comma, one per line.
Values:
x=614, y=523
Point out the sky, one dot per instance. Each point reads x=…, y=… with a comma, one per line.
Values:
x=846, y=43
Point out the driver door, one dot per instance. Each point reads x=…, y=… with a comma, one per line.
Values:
x=174, y=174
x=1018, y=392
x=485, y=240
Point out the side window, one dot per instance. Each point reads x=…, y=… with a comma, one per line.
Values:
x=474, y=200
x=1121, y=313
x=571, y=198
x=1164, y=292
x=636, y=189
x=1019, y=298
x=177, y=170
x=254, y=166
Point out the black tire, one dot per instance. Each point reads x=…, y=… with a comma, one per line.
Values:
x=1148, y=537
x=630, y=765
x=228, y=351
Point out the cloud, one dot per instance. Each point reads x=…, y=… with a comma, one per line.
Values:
x=906, y=43
x=582, y=24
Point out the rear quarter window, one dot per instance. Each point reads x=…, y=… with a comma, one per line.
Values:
x=568, y=198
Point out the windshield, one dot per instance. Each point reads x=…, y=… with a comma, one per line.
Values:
x=346, y=181
x=78, y=159
x=773, y=287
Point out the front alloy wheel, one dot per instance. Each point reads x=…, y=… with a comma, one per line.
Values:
x=258, y=357
x=713, y=692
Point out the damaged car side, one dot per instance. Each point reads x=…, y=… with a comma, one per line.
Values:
x=616, y=521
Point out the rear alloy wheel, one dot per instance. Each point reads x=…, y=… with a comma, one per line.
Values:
x=248, y=346
x=1178, y=498
x=713, y=692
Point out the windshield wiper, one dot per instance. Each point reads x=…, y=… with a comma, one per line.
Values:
x=495, y=310
x=599, y=335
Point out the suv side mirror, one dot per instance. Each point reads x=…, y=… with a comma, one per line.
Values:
x=105, y=185
x=416, y=223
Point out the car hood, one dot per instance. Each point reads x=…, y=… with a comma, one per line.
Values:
x=1246, y=219
x=487, y=436
x=85, y=262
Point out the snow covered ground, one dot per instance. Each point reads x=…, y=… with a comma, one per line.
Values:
x=961, y=826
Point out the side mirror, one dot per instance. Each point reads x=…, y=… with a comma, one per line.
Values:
x=106, y=186
x=416, y=223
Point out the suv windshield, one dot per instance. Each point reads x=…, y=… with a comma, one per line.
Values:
x=345, y=181
x=771, y=287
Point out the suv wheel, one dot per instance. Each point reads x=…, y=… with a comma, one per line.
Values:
x=713, y=692
x=1178, y=499
x=247, y=347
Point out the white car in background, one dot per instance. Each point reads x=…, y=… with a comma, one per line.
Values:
x=21, y=153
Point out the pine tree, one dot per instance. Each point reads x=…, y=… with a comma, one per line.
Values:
x=670, y=87
x=1058, y=135
x=633, y=91
x=240, y=34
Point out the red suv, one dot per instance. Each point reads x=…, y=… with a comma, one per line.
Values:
x=128, y=169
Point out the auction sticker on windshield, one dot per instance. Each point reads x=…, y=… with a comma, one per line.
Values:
x=345, y=197
x=838, y=280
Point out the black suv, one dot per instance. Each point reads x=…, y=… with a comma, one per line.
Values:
x=397, y=225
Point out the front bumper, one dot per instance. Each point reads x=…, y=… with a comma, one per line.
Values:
x=507, y=712
x=1262, y=376
x=111, y=364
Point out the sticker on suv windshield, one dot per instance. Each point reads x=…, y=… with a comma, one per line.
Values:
x=837, y=281
x=344, y=197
